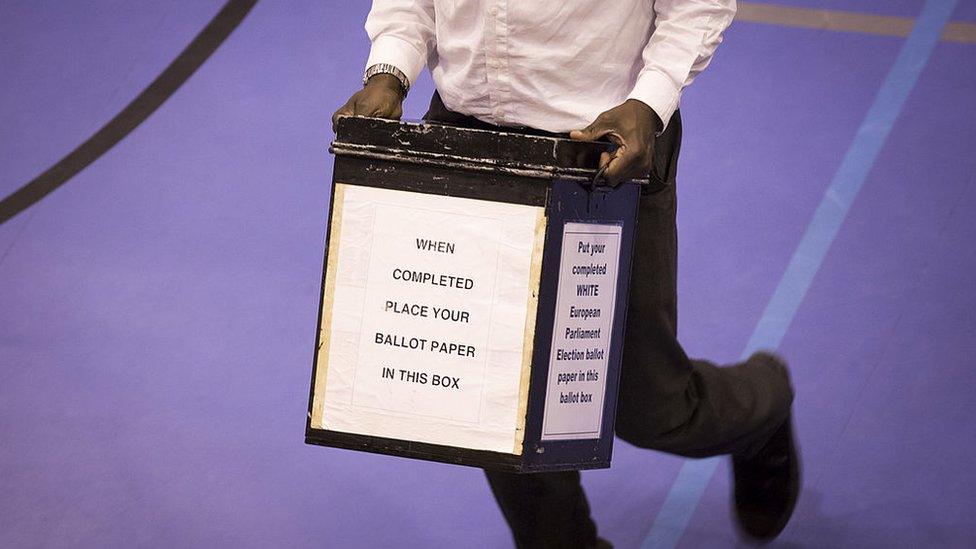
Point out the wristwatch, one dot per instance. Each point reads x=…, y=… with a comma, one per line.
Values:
x=386, y=68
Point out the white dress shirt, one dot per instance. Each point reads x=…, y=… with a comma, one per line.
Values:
x=549, y=64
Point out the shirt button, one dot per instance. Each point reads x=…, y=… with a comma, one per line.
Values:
x=494, y=63
x=493, y=11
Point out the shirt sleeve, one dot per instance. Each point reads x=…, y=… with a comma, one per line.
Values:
x=402, y=33
x=686, y=34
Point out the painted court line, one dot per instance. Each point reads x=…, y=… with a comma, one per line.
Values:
x=695, y=475
x=845, y=21
x=135, y=113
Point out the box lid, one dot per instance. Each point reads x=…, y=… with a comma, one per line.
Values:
x=520, y=154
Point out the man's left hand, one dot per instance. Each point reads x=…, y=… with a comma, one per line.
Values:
x=631, y=126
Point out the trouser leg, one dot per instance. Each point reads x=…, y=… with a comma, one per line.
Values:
x=666, y=401
x=544, y=509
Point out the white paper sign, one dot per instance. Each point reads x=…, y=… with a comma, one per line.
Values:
x=427, y=331
x=582, y=331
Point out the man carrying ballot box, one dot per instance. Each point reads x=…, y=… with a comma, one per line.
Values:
x=615, y=71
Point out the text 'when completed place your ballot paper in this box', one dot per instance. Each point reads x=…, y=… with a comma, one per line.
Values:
x=429, y=317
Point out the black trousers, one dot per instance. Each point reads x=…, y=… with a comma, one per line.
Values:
x=667, y=402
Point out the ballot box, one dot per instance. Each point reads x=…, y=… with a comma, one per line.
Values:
x=474, y=298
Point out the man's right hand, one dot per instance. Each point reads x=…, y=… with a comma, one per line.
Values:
x=380, y=98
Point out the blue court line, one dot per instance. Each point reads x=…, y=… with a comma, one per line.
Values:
x=695, y=475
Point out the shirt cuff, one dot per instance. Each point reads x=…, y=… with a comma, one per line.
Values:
x=658, y=92
x=399, y=53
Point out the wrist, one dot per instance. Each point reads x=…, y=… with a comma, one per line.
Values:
x=649, y=113
x=384, y=80
x=389, y=71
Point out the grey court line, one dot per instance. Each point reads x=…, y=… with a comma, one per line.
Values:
x=846, y=21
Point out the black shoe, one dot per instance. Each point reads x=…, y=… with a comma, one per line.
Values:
x=767, y=485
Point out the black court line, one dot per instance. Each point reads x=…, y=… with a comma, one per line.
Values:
x=135, y=113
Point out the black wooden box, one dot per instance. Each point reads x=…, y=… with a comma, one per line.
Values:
x=473, y=299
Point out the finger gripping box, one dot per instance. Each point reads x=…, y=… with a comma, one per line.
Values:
x=473, y=298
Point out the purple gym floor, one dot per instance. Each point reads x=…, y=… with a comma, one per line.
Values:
x=157, y=312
